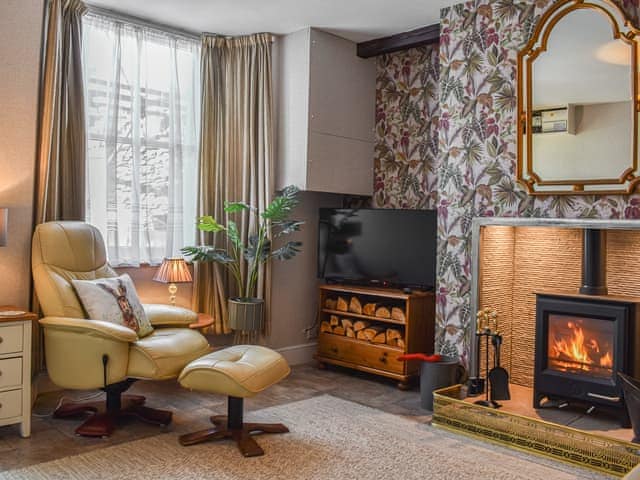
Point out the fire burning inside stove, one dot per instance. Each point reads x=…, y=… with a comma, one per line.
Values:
x=580, y=345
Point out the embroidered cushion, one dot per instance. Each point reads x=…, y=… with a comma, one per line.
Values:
x=114, y=300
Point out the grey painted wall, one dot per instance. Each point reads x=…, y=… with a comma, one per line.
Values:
x=294, y=283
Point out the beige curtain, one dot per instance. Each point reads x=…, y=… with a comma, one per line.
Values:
x=60, y=175
x=236, y=153
x=60, y=167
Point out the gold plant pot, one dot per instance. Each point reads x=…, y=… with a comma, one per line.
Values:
x=246, y=314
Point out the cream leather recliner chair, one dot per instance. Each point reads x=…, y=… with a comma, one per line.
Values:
x=82, y=354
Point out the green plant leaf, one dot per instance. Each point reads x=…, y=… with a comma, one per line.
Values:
x=209, y=224
x=251, y=251
x=258, y=249
x=281, y=206
x=288, y=227
x=235, y=207
x=265, y=251
x=207, y=254
x=234, y=234
x=290, y=191
x=288, y=251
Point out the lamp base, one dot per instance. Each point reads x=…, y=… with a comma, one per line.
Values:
x=173, y=289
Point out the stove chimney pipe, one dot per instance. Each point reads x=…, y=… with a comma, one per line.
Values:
x=594, y=262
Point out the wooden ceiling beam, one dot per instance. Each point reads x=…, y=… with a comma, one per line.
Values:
x=400, y=41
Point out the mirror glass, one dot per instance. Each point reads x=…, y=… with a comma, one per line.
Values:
x=581, y=113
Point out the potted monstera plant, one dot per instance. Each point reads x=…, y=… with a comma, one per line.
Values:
x=243, y=261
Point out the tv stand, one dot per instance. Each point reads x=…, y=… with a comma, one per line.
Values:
x=372, y=340
x=385, y=284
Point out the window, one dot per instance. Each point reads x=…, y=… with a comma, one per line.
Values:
x=142, y=97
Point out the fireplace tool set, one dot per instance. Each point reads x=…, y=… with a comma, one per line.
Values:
x=496, y=386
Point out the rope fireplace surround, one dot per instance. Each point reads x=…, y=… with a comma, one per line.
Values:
x=480, y=223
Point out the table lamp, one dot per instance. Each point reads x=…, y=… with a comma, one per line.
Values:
x=173, y=270
x=4, y=216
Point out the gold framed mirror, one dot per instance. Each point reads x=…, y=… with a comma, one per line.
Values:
x=578, y=102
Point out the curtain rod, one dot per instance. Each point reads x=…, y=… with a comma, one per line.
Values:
x=142, y=22
x=272, y=38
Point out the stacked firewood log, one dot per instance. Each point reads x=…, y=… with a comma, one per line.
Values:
x=364, y=330
x=354, y=305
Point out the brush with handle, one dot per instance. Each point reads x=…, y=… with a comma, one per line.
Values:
x=498, y=376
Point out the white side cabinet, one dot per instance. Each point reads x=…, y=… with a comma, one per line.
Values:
x=326, y=114
x=15, y=370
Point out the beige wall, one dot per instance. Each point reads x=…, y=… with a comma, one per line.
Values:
x=20, y=38
x=294, y=284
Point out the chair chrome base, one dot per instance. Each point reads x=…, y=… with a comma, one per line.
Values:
x=232, y=426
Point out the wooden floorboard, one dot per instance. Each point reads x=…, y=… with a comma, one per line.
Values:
x=52, y=439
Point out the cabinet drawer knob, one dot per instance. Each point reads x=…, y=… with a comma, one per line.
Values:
x=1, y=339
x=383, y=359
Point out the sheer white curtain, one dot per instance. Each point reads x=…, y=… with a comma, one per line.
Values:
x=142, y=98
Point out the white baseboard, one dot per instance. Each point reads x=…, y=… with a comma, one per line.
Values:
x=299, y=354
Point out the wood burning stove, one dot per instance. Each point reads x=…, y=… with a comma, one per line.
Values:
x=581, y=342
x=584, y=339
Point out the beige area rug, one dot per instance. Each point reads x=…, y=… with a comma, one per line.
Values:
x=330, y=439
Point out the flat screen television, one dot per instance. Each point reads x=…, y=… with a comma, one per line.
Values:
x=395, y=248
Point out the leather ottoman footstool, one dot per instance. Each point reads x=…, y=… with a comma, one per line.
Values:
x=239, y=372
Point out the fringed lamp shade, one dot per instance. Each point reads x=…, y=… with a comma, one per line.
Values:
x=172, y=271
x=4, y=213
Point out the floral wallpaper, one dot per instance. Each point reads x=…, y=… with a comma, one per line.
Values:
x=473, y=172
x=407, y=111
